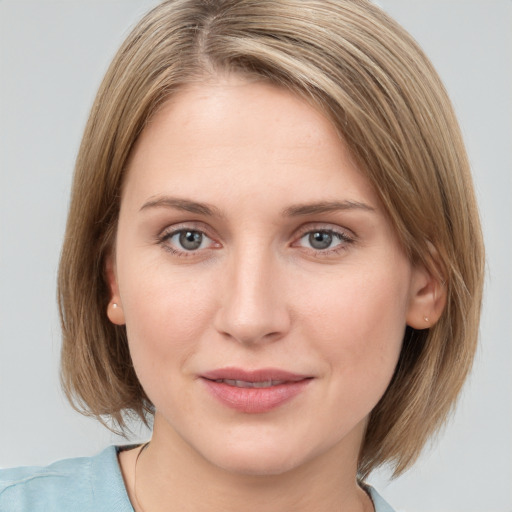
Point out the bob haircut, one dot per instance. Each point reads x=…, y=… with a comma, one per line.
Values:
x=370, y=78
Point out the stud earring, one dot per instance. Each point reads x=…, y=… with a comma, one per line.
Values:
x=115, y=313
x=426, y=319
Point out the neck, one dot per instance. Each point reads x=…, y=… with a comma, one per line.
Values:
x=172, y=476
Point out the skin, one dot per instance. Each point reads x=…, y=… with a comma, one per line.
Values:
x=256, y=294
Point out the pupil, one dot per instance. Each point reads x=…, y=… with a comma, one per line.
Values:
x=320, y=240
x=191, y=240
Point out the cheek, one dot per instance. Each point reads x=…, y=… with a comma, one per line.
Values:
x=166, y=314
x=358, y=322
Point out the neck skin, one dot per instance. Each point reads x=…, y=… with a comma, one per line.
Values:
x=172, y=476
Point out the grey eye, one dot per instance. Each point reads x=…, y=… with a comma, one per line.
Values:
x=320, y=239
x=190, y=240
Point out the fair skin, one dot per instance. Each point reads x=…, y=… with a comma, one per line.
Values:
x=248, y=238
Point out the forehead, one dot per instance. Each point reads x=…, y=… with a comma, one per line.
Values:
x=243, y=135
x=233, y=109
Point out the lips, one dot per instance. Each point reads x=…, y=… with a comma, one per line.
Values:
x=254, y=391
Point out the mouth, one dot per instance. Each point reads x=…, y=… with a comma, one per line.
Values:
x=248, y=384
x=254, y=391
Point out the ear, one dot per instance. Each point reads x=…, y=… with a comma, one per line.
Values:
x=427, y=299
x=115, y=311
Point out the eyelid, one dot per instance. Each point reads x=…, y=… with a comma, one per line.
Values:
x=320, y=226
x=182, y=226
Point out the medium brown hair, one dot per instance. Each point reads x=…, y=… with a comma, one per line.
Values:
x=372, y=80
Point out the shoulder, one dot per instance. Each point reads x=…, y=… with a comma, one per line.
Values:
x=46, y=488
x=79, y=484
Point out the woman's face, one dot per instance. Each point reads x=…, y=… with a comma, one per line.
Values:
x=264, y=291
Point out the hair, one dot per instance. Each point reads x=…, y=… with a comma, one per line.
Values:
x=367, y=74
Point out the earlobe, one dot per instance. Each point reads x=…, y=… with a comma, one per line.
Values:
x=427, y=299
x=115, y=311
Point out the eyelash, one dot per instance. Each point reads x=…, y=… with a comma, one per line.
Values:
x=344, y=240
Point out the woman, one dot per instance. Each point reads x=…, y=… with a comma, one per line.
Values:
x=267, y=250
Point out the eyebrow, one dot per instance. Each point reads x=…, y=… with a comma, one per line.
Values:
x=292, y=211
x=326, y=207
x=182, y=204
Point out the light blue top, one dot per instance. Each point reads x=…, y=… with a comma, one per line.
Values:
x=85, y=484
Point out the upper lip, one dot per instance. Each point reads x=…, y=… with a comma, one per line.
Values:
x=257, y=375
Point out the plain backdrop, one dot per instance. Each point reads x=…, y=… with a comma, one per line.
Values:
x=52, y=57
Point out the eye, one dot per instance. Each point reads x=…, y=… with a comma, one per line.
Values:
x=325, y=240
x=183, y=241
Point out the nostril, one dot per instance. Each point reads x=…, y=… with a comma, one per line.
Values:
x=266, y=329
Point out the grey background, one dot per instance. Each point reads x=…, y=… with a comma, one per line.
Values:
x=52, y=57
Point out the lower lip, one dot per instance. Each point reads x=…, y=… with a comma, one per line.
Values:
x=255, y=400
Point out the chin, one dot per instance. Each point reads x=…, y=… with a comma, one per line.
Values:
x=262, y=457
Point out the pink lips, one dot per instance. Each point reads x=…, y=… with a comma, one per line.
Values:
x=254, y=391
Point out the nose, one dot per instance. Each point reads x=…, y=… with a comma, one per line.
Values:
x=253, y=307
